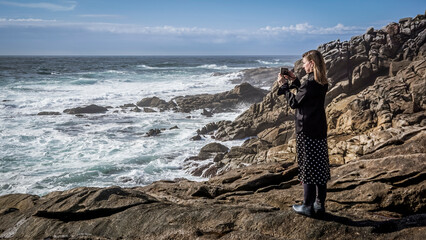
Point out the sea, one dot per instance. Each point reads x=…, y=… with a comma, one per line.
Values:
x=44, y=153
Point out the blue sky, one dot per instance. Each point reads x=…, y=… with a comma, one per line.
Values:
x=188, y=27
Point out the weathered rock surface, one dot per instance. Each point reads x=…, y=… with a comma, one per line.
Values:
x=372, y=198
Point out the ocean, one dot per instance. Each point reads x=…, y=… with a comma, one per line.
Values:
x=40, y=154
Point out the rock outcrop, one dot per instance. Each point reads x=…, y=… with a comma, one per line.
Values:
x=376, y=97
x=156, y=102
x=260, y=77
x=221, y=102
x=243, y=93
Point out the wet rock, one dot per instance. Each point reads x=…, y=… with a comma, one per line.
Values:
x=128, y=105
x=88, y=109
x=136, y=109
x=155, y=102
x=153, y=132
x=207, y=113
x=196, y=138
x=49, y=113
x=149, y=110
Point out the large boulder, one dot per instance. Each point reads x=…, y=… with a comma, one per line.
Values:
x=155, y=102
x=88, y=109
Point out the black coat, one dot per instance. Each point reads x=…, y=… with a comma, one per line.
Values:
x=309, y=104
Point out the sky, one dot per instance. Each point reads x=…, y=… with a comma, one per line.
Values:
x=189, y=27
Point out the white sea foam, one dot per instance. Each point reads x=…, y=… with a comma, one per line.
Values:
x=213, y=66
x=268, y=63
x=147, y=67
x=275, y=62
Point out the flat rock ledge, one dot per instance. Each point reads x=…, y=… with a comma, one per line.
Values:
x=379, y=198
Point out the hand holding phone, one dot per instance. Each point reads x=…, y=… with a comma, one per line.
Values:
x=281, y=79
x=287, y=74
x=284, y=71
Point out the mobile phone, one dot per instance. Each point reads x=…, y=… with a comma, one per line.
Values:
x=284, y=71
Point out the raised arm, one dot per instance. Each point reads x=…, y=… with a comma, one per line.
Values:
x=294, y=101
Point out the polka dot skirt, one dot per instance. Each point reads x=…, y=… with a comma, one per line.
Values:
x=312, y=158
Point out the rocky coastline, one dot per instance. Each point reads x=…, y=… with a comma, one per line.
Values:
x=377, y=145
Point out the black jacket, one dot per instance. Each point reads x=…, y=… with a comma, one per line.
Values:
x=309, y=104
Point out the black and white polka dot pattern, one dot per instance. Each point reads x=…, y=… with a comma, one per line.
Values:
x=312, y=158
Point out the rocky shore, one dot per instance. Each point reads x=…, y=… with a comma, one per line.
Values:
x=376, y=99
x=377, y=145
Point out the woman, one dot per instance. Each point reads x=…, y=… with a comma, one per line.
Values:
x=311, y=130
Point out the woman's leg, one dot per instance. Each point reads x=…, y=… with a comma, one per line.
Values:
x=309, y=192
x=319, y=205
x=321, y=193
x=309, y=198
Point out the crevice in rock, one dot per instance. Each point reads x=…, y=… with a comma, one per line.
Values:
x=388, y=226
x=226, y=228
x=352, y=203
x=283, y=185
x=400, y=179
x=349, y=187
x=263, y=181
x=215, y=235
x=399, y=224
x=416, y=179
x=86, y=215
x=229, y=194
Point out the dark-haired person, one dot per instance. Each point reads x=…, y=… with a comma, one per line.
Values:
x=311, y=131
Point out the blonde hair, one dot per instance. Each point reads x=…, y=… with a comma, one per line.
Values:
x=320, y=74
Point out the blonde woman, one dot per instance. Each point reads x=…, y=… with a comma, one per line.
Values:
x=311, y=131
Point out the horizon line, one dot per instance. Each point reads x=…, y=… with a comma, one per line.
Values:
x=135, y=55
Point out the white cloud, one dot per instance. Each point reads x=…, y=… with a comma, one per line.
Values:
x=196, y=33
x=301, y=28
x=306, y=28
x=99, y=16
x=44, y=5
x=24, y=20
x=115, y=28
x=158, y=30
